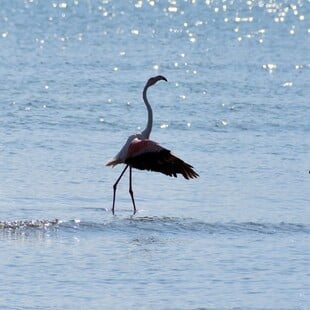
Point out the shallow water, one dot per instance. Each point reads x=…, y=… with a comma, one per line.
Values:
x=155, y=260
x=236, y=107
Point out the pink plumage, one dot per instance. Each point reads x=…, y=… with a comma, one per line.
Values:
x=138, y=147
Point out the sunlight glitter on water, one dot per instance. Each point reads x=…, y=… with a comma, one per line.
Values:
x=236, y=107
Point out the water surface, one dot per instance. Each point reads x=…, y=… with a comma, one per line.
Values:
x=235, y=106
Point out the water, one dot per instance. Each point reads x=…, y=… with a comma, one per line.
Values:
x=236, y=107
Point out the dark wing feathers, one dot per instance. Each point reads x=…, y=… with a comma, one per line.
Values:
x=162, y=161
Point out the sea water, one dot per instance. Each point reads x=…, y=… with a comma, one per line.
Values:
x=236, y=107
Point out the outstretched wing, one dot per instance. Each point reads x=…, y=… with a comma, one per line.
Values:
x=148, y=155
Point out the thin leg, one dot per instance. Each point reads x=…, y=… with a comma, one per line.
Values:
x=131, y=191
x=115, y=186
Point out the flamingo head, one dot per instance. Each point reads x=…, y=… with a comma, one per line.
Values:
x=154, y=80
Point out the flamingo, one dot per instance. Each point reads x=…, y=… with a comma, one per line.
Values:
x=142, y=153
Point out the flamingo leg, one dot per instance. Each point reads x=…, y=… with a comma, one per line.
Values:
x=131, y=191
x=115, y=186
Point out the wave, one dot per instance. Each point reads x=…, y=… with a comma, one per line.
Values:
x=158, y=225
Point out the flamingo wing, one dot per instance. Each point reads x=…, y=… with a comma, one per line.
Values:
x=149, y=155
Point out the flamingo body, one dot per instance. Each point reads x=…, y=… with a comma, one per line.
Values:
x=142, y=153
x=149, y=155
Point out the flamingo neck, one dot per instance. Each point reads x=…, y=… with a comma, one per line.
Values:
x=147, y=131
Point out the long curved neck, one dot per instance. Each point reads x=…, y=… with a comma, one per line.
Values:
x=147, y=131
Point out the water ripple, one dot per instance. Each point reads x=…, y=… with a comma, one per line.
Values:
x=158, y=225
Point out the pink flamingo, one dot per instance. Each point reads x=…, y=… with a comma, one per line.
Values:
x=141, y=153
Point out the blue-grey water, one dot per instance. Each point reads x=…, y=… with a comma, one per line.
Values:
x=236, y=107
